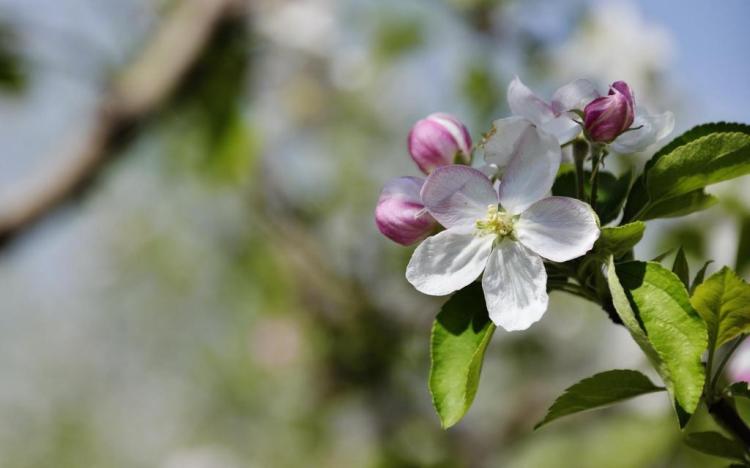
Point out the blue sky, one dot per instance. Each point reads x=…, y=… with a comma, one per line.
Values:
x=712, y=60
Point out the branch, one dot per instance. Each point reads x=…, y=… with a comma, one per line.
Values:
x=140, y=91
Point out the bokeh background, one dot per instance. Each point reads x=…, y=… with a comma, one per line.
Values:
x=214, y=294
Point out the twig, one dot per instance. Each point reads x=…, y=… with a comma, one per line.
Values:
x=138, y=93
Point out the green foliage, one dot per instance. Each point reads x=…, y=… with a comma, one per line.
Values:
x=599, y=390
x=397, y=36
x=681, y=268
x=654, y=305
x=619, y=240
x=460, y=336
x=723, y=300
x=12, y=73
x=739, y=389
x=611, y=194
x=672, y=182
x=482, y=89
x=718, y=445
x=700, y=276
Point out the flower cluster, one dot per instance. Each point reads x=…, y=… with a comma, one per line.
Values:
x=497, y=220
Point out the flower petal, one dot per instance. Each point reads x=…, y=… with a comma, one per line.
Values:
x=531, y=172
x=574, y=96
x=558, y=228
x=515, y=286
x=458, y=196
x=448, y=261
x=523, y=102
x=503, y=143
x=563, y=127
x=654, y=127
x=400, y=214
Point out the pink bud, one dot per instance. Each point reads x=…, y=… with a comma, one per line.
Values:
x=606, y=117
x=400, y=214
x=437, y=140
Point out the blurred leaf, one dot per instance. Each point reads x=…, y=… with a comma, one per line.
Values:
x=12, y=73
x=699, y=277
x=739, y=389
x=681, y=268
x=743, y=249
x=705, y=155
x=655, y=307
x=611, y=194
x=482, y=89
x=662, y=256
x=396, y=36
x=723, y=300
x=460, y=336
x=682, y=205
x=599, y=390
x=619, y=240
x=715, y=444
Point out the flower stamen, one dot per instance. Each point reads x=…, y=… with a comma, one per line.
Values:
x=497, y=222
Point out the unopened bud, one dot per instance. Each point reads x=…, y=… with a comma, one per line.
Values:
x=606, y=117
x=400, y=214
x=438, y=140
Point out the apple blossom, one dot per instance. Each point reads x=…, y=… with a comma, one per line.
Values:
x=438, y=140
x=400, y=215
x=553, y=117
x=739, y=366
x=606, y=117
x=504, y=233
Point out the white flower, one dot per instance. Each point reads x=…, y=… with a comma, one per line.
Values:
x=504, y=233
x=552, y=117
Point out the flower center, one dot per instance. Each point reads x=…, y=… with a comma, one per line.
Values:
x=497, y=222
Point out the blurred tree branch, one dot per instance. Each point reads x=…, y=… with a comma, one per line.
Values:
x=136, y=95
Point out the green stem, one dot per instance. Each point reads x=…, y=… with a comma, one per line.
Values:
x=720, y=368
x=597, y=156
x=580, y=152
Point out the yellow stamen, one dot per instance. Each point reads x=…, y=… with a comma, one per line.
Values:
x=497, y=222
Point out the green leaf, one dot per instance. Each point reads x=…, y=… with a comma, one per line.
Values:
x=718, y=445
x=654, y=305
x=662, y=256
x=697, y=200
x=723, y=300
x=599, y=390
x=705, y=155
x=619, y=240
x=681, y=268
x=611, y=194
x=739, y=390
x=460, y=335
x=699, y=276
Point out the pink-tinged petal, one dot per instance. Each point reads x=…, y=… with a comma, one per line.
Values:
x=437, y=140
x=448, y=261
x=524, y=103
x=574, y=96
x=515, y=286
x=400, y=214
x=503, y=142
x=739, y=367
x=531, y=172
x=558, y=228
x=458, y=196
x=653, y=128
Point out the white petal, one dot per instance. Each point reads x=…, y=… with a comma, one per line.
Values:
x=558, y=228
x=523, y=102
x=515, y=286
x=654, y=127
x=564, y=128
x=503, y=143
x=574, y=95
x=458, y=196
x=448, y=261
x=531, y=172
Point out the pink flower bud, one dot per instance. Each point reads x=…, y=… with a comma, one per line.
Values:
x=606, y=117
x=437, y=140
x=400, y=214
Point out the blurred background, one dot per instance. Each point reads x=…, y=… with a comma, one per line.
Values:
x=190, y=276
